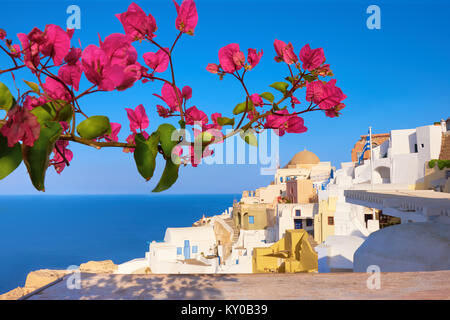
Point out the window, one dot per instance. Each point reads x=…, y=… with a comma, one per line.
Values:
x=251, y=219
x=179, y=250
x=281, y=179
x=331, y=221
x=298, y=213
x=194, y=249
x=309, y=222
x=422, y=145
x=415, y=148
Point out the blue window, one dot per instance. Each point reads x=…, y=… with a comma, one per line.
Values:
x=237, y=261
x=194, y=249
x=281, y=179
x=251, y=219
x=298, y=213
x=298, y=224
x=309, y=222
x=179, y=250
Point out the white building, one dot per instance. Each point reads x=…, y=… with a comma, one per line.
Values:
x=398, y=164
x=292, y=216
x=401, y=159
x=184, y=250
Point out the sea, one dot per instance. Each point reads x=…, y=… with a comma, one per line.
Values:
x=56, y=232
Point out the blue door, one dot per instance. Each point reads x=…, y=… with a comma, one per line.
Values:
x=298, y=224
x=187, y=249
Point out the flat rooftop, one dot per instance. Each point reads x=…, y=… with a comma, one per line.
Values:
x=312, y=286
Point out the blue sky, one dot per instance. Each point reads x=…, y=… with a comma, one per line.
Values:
x=395, y=78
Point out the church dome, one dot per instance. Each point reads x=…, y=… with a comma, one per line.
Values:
x=304, y=157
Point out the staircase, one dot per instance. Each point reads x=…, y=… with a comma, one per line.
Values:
x=235, y=230
x=311, y=241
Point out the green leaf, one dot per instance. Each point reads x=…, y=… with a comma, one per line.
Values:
x=169, y=176
x=280, y=86
x=249, y=137
x=10, y=158
x=290, y=79
x=145, y=154
x=224, y=121
x=33, y=86
x=94, y=127
x=240, y=107
x=165, y=131
x=36, y=158
x=49, y=112
x=309, y=77
x=268, y=96
x=6, y=98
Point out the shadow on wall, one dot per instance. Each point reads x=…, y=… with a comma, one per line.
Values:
x=149, y=287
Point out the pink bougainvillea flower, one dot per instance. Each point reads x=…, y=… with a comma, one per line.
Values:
x=193, y=115
x=95, y=65
x=315, y=91
x=311, y=59
x=30, y=50
x=158, y=61
x=214, y=127
x=335, y=111
x=136, y=23
x=196, y=155
x=212, y=67
x=113, y=136
x=295, y=124
x=113, y=64
x=294, y=101
x=257, y=100
x=284, y=122
x=285, y=52
x=163, y=112
x=325, y=95
x=15, y=51
x=186, y=92
x=119, y=50
x=60, y=155
x=131, y=74
x=55, y=43
x=31, y=102
x=171, y=97
x=71, y=72
x=324, y=70
x=2, y=34
x=231, y=58
x=22, y=125
x=138, y=118
x=56, y=90
x=187, y=16
x=333, y=95
x=130, y=140
x=253, y=58
x=73, y=57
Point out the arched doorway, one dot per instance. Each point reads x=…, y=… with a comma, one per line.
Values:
x=382, y=175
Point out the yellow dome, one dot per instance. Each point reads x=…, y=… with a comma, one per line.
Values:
x=304, y=157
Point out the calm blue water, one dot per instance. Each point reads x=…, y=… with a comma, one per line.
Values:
x=38, y=232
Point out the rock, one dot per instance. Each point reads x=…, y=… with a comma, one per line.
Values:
x=40, y=278
x=418, y=246
x=106, y=266
x=35, y=280
x=145, y=270
x=16, y=293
